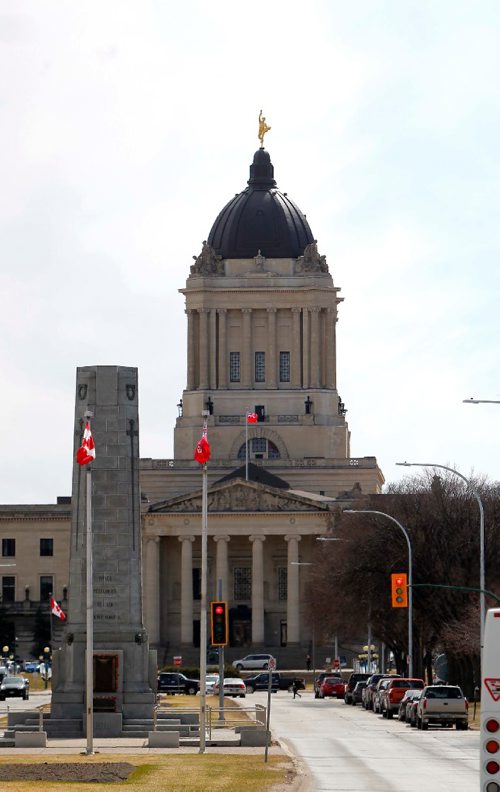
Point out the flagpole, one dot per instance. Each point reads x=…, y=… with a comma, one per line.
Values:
x=89, y=665
x=246, y=446
x=203, y=601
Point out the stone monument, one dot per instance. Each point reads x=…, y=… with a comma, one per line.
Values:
x=124, y=666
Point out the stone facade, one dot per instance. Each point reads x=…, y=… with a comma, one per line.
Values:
x=261, y=337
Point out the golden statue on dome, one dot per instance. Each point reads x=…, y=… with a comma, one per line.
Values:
x=263, y=128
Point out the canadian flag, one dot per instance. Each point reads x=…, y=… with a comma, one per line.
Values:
x=57, y=610
x=252, y=417
x=86, y=452
x=202, y=450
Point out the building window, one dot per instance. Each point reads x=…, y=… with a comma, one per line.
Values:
x=260, y=367
x=8, y=588
x=46, y=547
x=259, y=445
x=46, y=587
x=196, y=583
x=242, y=577
x=284, y=366
x=272, y=451
x=234, y=366
x=282, y=583
x=8, y=547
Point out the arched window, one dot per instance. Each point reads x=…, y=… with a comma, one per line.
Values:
x=259, y=448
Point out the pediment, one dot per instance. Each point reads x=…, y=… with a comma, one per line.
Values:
x=240, y=496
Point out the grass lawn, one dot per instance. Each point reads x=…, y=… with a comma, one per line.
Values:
x=232, y=711
x=177, y=773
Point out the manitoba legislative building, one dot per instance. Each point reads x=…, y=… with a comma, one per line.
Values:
x=261, y=315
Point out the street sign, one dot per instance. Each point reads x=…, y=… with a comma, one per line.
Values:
x=272, y=664
x=493, y=688
x=178, y=661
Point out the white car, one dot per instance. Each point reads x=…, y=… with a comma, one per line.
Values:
x=253, y=661
x=232, y=687
x=210, y=681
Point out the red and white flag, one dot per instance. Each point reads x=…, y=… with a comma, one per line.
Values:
x=57, y=610
x=86, y=452
x=252, y=417
x=202, y=450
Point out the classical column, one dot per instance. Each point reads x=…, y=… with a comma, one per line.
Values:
x=203, y=347
x=271, y=374
x=223, y=363
x=246, y=349
x=151, y=577
x=305, y=348
x=221, y=567
x=331, y=352
x=212, y=346
x=191, y=382
x=293, y=594
x=257, y=590
x=315, y=348
x=296, y=362
x=186, y=589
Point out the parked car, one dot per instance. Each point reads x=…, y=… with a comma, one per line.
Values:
x=371, y=685
x=232, y=687
x=210, y=681
x=351, y=683
x=30, y=667
x=406, y=701
x=332, y=686
x=279, y=681
x=357, y=693
x=391, y=695
x=253, y=661
x=319, y=681
x=14, y=686
x=411, y=708
x=444, y=705
x=172, y=682
x=381, y=684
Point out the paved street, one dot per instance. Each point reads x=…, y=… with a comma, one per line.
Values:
x=35, y=700
x=350, y=750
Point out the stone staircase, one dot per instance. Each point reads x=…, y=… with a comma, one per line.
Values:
x=186, y=723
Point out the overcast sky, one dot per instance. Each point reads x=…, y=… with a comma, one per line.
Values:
x=126, y=126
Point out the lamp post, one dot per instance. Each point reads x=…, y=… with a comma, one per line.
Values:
x=410, y=577
x=5, y=654
x=482, y=601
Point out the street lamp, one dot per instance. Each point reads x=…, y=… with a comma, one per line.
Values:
x=480, y=401
x=482, y=602
x=5, y=654
x=410, y=577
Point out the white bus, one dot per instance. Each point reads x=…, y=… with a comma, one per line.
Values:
x=490, y=704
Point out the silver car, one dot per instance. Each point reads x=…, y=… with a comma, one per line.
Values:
x=253, y=661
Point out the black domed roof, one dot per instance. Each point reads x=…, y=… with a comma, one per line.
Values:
x=260, y=218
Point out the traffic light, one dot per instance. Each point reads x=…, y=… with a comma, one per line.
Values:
x=219, y=623
x=399, y=590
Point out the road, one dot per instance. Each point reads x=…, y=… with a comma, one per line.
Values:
x=350, y=750
x=35, y=700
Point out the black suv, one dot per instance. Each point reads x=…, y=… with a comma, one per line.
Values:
x=171, y=682
x=353, y=679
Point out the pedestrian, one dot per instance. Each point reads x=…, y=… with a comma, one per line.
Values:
x=295, y=689
x=308, y=662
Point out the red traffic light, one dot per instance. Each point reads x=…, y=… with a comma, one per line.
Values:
x=399, y=590
x=219, y=625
